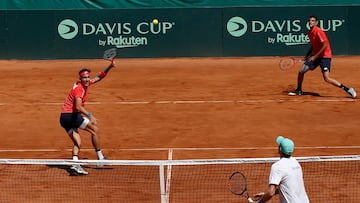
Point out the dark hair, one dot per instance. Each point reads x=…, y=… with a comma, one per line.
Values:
x=283, y=154
x=84, y=69
x=286, y=155
x=313, y=16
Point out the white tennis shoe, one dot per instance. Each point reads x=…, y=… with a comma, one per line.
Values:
x=351, y=92
x=101, y=165
x=295, y=93
x=79, y=170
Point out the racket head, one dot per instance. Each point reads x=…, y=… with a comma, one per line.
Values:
x=287, y=63
x=237, y=183
x=110, y=54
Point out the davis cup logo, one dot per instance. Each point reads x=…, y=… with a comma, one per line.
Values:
x=68, y=29
x=237, y=26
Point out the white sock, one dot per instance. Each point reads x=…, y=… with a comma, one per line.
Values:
x=99, y=154
x=75, y=158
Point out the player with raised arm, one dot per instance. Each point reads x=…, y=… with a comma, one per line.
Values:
x=319, y=54
x=74, y=114
x=286, y=177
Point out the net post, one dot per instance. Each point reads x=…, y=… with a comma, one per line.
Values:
x=162, y=184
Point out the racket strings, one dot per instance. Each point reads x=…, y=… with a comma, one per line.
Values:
x=237, y=184
x=286, y=64
x=110, y=53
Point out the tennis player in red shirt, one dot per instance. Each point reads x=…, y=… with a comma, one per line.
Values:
x=319, y=55
x=74, y=115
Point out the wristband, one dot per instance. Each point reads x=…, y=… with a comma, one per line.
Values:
x=89, y=115
x=101, y=74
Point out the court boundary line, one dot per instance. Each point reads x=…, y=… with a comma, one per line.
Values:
x=176, y=149
x=189, y=102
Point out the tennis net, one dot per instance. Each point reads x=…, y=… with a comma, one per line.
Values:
x=333, y=179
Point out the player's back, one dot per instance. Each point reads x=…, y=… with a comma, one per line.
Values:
x=292, y=189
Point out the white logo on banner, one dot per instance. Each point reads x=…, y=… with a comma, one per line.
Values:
x=237, y=26
x=68, y=29
x=287, y=31
x=118, y=34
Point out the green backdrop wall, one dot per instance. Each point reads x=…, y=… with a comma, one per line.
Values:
x=182, y=32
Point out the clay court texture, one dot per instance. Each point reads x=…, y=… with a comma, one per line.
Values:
x=180, y=108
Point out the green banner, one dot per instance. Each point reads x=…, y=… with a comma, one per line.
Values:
x=283, y=31
x=181, y=32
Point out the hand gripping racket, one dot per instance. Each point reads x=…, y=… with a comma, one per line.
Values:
x=238, y=185
x=288, y=63
x=109, y=54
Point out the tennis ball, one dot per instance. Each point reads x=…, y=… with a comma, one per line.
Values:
x=155, y=21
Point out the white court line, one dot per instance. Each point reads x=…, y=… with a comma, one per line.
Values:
x=211, y=101
x=175, y=149
x=168, y=176
x=191, y=102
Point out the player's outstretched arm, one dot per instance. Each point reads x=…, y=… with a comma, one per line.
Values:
x=103, y=73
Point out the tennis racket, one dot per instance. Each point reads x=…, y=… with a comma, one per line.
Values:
x=288, y=63
x=238, y=185
x=109, y=54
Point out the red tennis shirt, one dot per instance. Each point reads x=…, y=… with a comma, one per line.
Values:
x=78, y=90
x=317, y=36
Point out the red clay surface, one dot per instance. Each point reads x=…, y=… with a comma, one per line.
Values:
x=240, y=104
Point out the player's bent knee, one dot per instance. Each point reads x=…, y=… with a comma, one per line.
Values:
x=95, y=130
x=70, y=132
x=303, y=69
x=328, y=80
x=84, y=123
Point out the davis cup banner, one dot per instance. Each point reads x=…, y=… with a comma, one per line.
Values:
x=281, y=30
x=180, y=32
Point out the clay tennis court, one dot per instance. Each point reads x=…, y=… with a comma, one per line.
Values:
x=200, y=108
